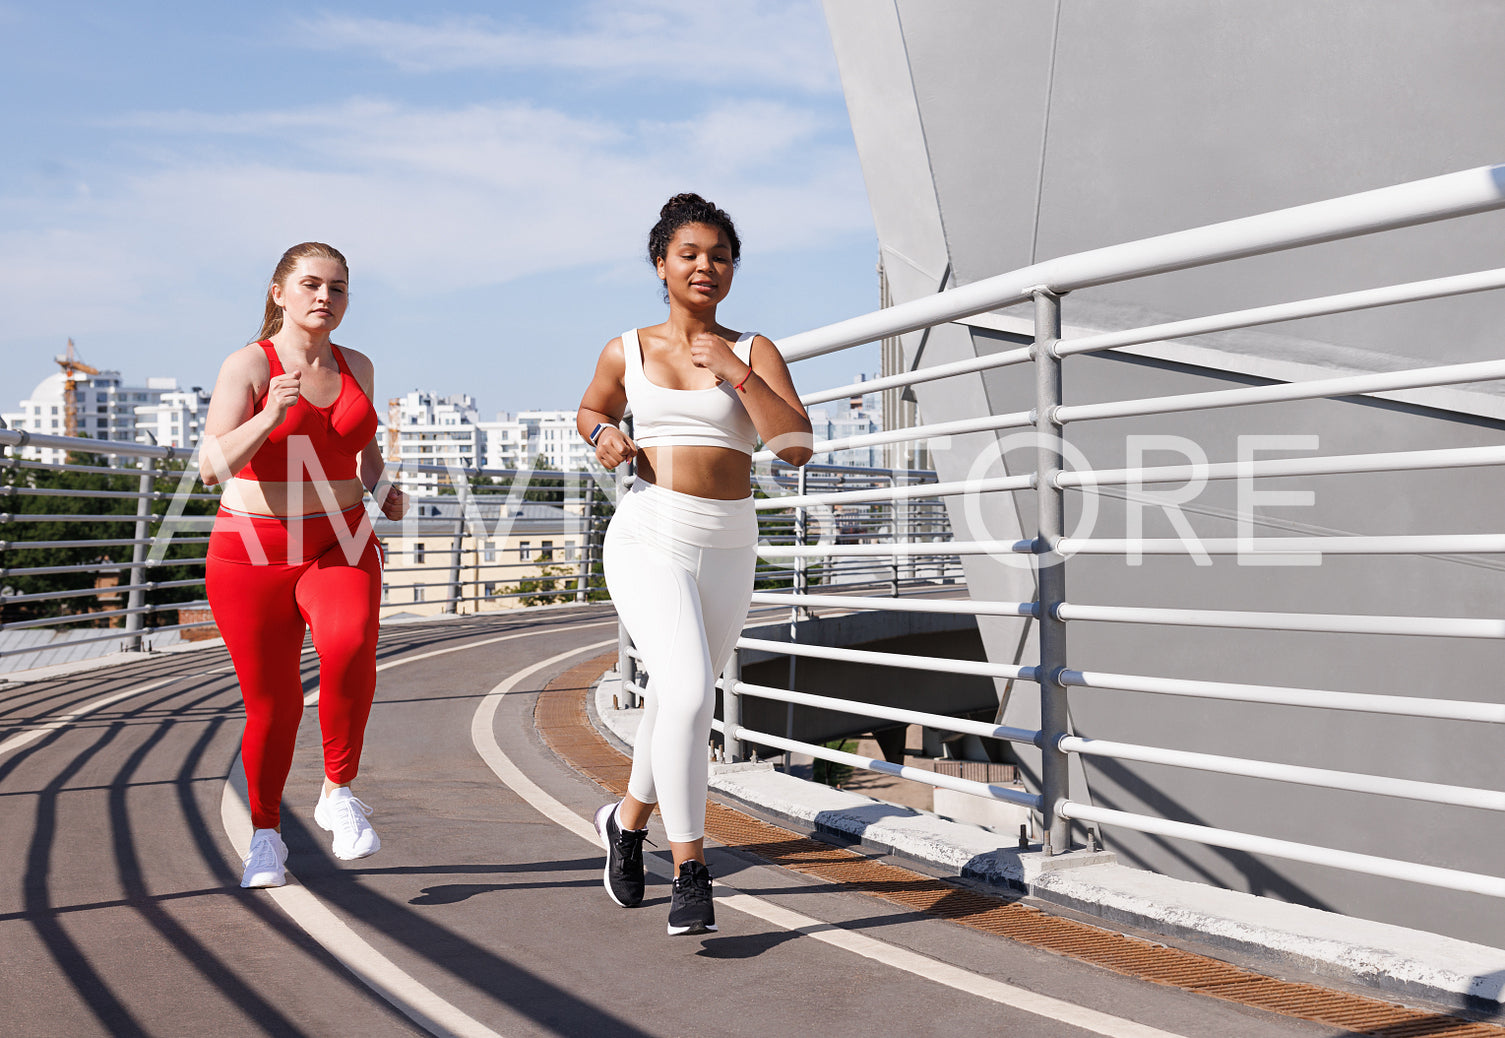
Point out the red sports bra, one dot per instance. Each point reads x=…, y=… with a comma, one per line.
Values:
x=314, y=442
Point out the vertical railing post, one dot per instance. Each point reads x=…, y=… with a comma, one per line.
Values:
x=801, y=525
x=455, y=597
x=797, y=612
x=134, y=619
x=584, y=498
x=623, y=475
x=626, y=667
x=732, y=750
x=897, y=533
x=1051, y=571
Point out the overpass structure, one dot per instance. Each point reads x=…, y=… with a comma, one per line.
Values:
x=1233, y=596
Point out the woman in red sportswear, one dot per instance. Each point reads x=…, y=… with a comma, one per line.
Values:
x=291, y=432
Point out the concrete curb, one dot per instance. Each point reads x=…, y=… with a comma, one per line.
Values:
x=1390, y=961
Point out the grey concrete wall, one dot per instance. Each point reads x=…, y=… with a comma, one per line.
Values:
x=918, y=634
x=1053, y=128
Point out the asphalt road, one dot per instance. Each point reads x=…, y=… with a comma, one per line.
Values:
x=483, y=914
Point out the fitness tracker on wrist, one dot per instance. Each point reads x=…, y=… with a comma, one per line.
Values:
x=596, y=432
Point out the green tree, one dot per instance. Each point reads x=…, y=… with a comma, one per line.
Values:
x=81, y=497
x=552, y=584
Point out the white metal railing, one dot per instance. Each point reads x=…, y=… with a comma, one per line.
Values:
x=1050, y=551
x=455, y=552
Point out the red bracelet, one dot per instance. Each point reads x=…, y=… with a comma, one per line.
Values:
x=739, y=385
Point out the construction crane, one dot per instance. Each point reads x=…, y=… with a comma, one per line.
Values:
x=72, y=369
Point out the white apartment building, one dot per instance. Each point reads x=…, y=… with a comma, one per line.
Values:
x=552, y=435
x=853, y=416
x=434, y=430
x=447, y=430
x=176, y=419
x=108, y=409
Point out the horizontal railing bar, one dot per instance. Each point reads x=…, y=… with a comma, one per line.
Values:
x=987, y=423
x=902, y=493
x=1422, y=201
x=1278, y=695
x=83, y=445
x=116, y=634
x=150, y=495
x=889, y=713
x=1334, y=623
x=1391, y=461
x=903, y=661
x=1325, y=778
x=985, y=790
x=37, y=517
x=898, y=548
x=136, y=495
x=1414, y=291
x=95, y=567
x=928, y=374
x=103, y=614
x=964, y=607
x=1402, y=544
x=1431, y=875
x=103, y=542
x=1348, y=385
x=44, y=596
x=13, y=462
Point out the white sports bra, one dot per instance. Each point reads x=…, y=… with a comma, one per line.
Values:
x=711, y=417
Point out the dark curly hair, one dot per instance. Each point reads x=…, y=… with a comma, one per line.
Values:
x=688, y=208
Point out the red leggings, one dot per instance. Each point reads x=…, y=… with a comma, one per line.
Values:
x=270, y=579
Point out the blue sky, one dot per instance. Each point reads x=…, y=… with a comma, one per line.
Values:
x=491, y=171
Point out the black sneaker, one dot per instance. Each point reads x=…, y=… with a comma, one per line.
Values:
x=623, y=877
x=690, y=909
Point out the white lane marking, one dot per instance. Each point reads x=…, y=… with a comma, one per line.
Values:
x=313, y=697
x=482, y=733
x=383, y=976
x=374, y=969
x=31, y=735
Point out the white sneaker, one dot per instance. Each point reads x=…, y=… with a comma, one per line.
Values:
x=344, y=814
x=266, y=864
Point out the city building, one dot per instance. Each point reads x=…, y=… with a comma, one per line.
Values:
x=502, y=556
x=857, y=415
x=106, y=408
x=448, y=431
x=432, y=430
x=176, y=419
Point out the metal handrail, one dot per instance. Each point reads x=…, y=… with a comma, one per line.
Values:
x=457, y=577
x=1051, y=549
x=1444, y=197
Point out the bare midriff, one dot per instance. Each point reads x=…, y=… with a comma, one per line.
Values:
x=715, y=472
x=304, y=498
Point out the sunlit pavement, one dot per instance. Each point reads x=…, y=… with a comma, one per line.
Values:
x=482, y=914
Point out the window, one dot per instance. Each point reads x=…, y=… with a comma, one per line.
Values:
x=545, y=551
x=569, y=551
x=489, y=554
x=524, y=551
x=417, y=556
x=418, y=594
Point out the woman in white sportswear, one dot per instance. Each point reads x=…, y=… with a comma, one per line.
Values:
x=682, y=546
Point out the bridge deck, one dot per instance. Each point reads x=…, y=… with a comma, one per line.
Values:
x=483, y=913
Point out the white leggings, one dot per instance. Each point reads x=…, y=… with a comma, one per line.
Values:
x=680, y=572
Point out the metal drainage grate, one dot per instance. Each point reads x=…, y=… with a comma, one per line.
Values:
x=561, y=719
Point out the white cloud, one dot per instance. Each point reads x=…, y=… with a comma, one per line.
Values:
x=458, y=198
x=757, y=42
